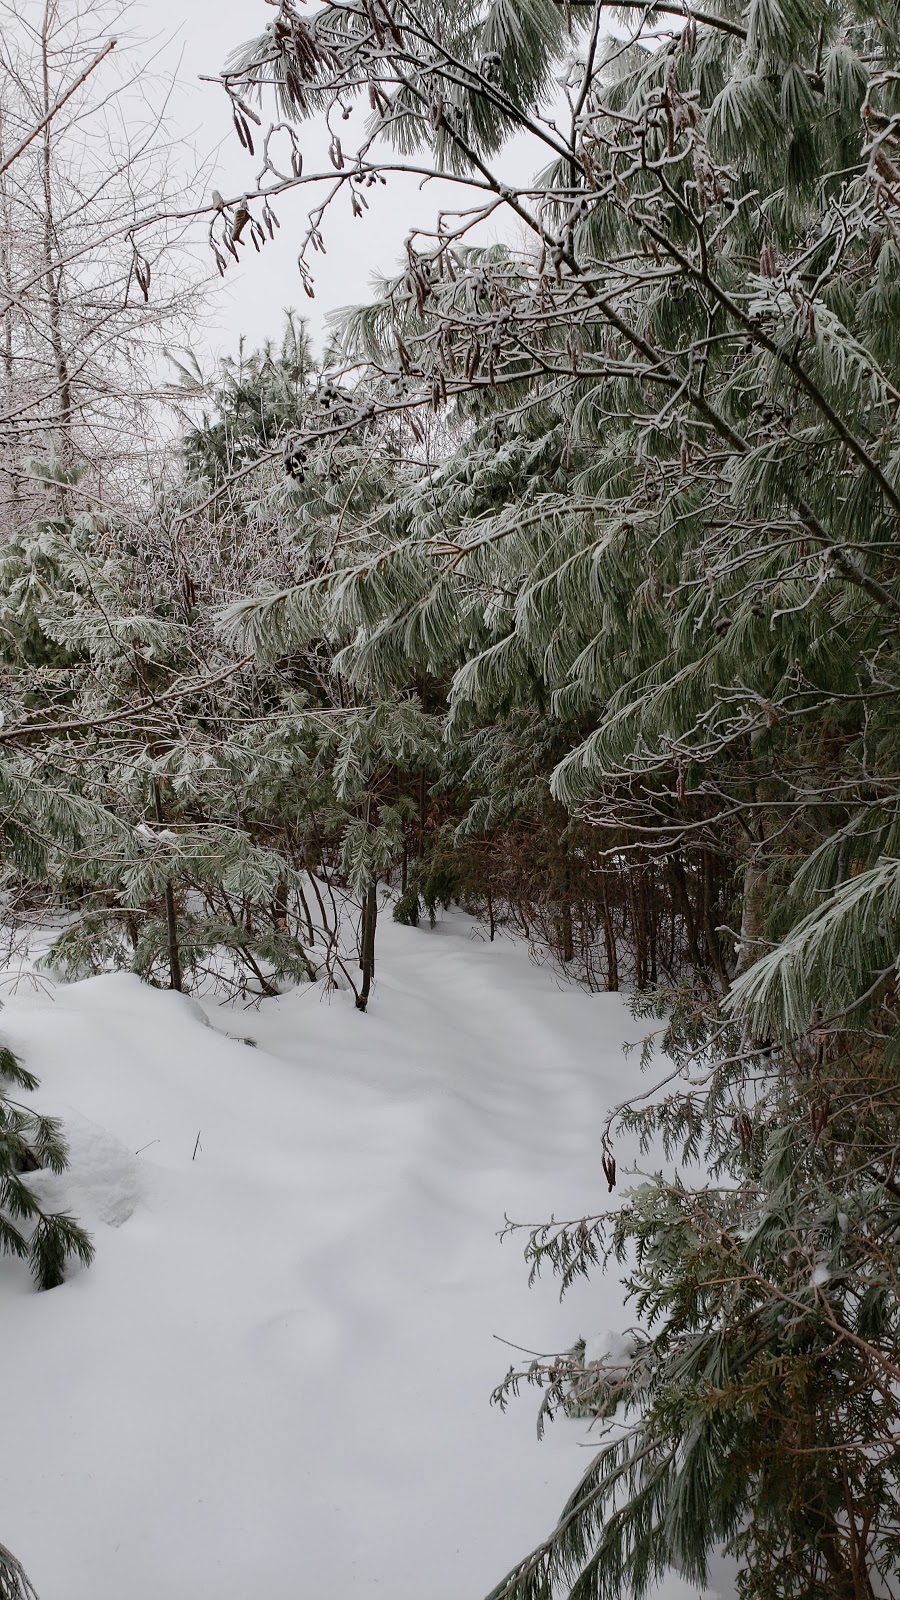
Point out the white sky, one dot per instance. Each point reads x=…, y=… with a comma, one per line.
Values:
x=253, y=299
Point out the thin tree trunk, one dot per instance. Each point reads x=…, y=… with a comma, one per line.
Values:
x=754, y=902
x=423, y=813
x=609, y=936
x=280, y=906
x=52, y=273
x=567, y=943
x=8, y=360
x=367, y=946
x=683, y=900
x=175, y=979
x=709, y=930
x=175, y=976
x=307, y=914
x=647, y=887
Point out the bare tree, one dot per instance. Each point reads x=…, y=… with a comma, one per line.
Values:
x=88, y=312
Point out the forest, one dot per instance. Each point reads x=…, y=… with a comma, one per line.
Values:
x=558, y=590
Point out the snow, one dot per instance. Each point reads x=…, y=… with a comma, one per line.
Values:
x=613, y=1348
x=274, y=1379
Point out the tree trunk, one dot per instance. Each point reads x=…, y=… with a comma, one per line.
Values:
x=52, y=272
x=175, y=977
x=709, y=929
x=307, y=914
x=754, y=902
x=566, y=936
x=682, y=900
x=367, y=946
x=175, y=980
x=609, y=937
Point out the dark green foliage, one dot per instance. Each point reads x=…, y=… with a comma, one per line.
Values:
x=29, y=1142
x=437, y=884
x=407, y=907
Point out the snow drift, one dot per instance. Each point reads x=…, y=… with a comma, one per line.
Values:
x=275, y=1378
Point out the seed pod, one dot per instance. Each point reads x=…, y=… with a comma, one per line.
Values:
x=243, y=130
x=768, y=265
x=244, y=108
x=375, y=24
x=575, y=348
x=743, y=1127
x=818, y=1117
x=241, y=218
x=142, y=274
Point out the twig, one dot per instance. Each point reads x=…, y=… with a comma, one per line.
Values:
x=57, y=105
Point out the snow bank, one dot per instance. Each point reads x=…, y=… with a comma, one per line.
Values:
x=274, y=1380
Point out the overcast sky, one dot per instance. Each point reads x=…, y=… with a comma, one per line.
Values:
x=253, y=299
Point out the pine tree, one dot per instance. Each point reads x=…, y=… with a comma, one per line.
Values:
x=664, y=532
x=30, y=1142
x=14, y=1583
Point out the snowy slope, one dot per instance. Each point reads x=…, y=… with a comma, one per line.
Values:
x=274, y=1380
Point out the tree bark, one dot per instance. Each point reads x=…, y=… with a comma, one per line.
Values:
x=367, y=946
x=175, y=975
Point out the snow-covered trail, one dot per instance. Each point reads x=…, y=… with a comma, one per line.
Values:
x=274, y=1380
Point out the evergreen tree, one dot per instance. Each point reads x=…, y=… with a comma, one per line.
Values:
x=664, y=532
x=14, y=1584
x=30, y=1142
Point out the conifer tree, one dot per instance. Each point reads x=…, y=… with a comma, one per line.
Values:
x=30, y=1142
x=14, y=1583
x=664, y=531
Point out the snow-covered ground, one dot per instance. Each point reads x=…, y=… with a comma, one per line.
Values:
x=274, y=1380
